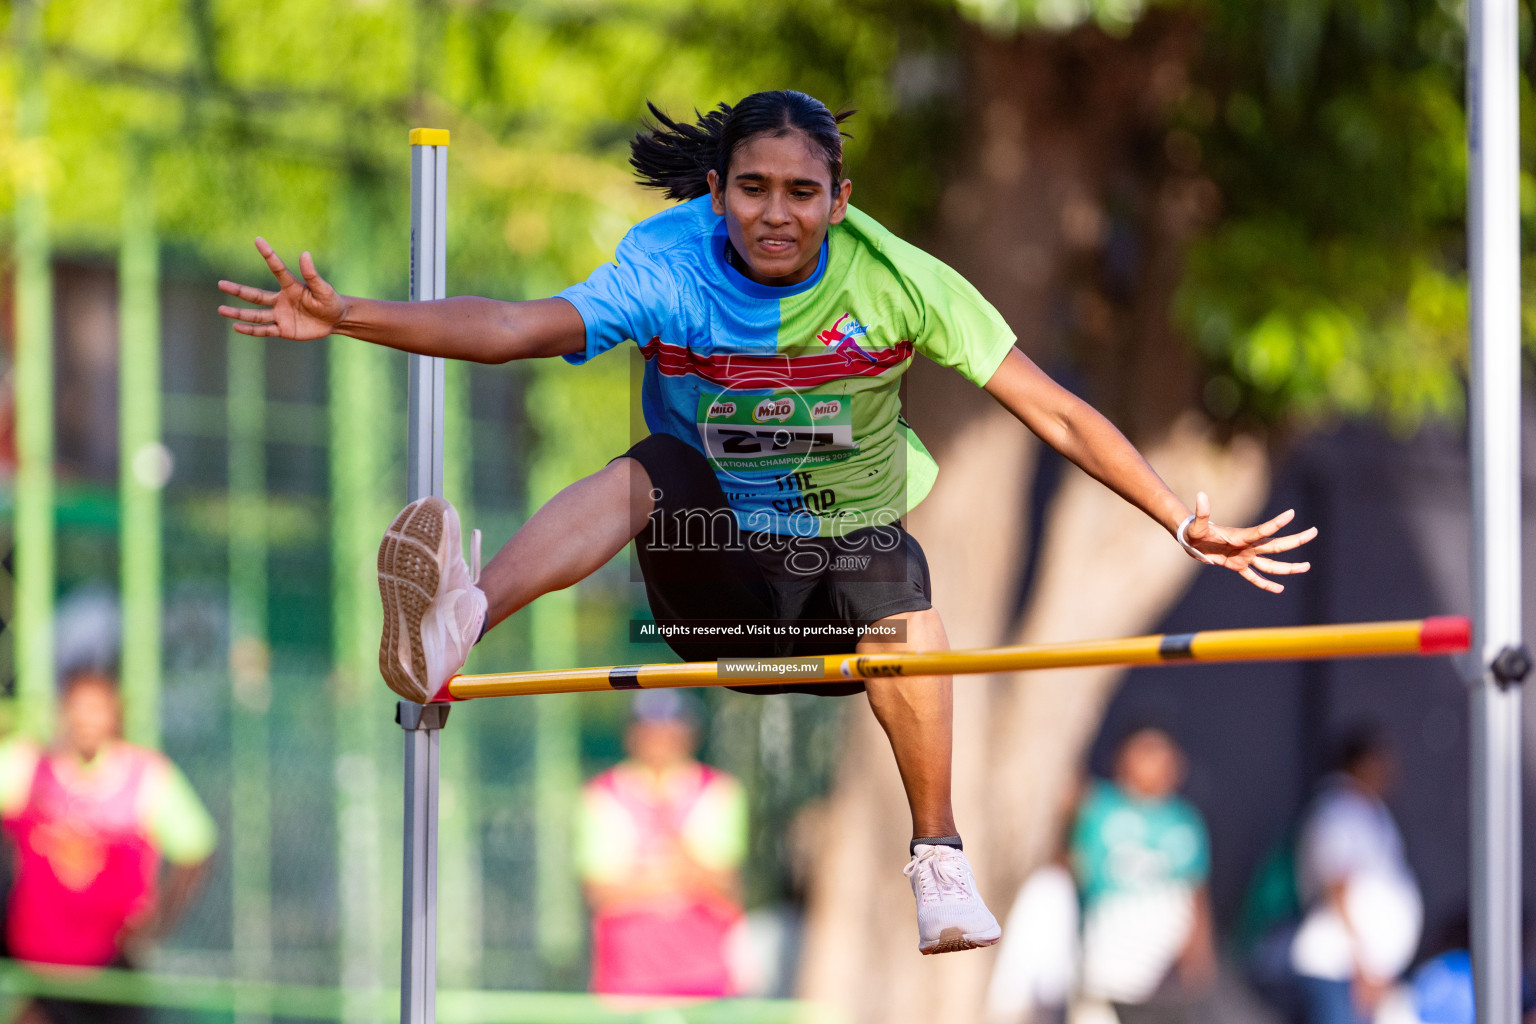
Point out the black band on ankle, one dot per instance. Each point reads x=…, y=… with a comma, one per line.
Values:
x=950, y=841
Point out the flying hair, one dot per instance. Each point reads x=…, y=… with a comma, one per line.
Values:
x=676, y=158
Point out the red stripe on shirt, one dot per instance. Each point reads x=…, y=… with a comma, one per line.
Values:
x=772, y=371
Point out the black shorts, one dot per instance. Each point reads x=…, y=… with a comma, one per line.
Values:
x=701, y=567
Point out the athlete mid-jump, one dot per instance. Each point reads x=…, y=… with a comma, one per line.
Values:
x=767, y=412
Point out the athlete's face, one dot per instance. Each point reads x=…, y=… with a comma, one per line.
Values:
x=778, y=202
x=91, y=716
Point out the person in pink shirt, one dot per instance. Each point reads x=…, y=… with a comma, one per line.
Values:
x=89, y=821
x=661, y=839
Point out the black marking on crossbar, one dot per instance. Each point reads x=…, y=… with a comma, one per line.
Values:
x=625, y=677
x=1174, y=646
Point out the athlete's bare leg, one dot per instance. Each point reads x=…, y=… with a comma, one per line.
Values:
x=571, y=537
x=917, y=714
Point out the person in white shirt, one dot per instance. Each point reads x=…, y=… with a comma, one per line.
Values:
x=1362, y=909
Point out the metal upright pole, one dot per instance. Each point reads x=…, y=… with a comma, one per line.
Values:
x=429, y=276
x=1499, y=661
x=424, y=471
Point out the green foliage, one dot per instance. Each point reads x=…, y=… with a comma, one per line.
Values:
x=260, y=115
x=1116, y=16
x=1334, y=132
x=1336, y=279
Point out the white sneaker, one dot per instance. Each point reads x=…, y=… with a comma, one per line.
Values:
x=950, y=914
x=432, y=612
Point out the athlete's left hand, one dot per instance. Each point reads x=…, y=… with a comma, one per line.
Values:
x=1245, y=550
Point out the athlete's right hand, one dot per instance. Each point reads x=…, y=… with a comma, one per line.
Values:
x=299, y=310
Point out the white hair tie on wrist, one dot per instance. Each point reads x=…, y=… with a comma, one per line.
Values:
x=1189, y=548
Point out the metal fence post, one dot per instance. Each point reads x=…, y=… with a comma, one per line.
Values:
x=424, y=469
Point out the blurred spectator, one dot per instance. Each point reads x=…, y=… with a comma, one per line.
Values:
x=89, y=820
x=1266, y=929
x=1035, y=973
x=662, y=837
x=1362, y=910
x=1141, y=856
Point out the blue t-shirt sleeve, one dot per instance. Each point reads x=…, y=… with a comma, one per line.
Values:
x=626, y=300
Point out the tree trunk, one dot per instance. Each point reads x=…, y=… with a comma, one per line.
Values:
x=860, y=950
x=1072, y=219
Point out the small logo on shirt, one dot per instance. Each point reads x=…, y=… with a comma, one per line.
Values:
x=770, y=409
x=842, y=338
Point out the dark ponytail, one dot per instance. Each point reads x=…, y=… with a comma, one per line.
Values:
x=677, y=158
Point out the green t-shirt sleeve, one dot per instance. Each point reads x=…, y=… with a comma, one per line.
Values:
x=604, y=837
x=18, y=763
x=178, y=823
x=961, y=329
x=952, y=324
x=716, y=830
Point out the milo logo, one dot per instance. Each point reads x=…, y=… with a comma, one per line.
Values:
x=769, y=409
x=720, y=409
x=821, y=410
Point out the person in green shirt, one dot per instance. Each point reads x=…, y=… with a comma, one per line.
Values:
x=1141, y=856
x=776, y=321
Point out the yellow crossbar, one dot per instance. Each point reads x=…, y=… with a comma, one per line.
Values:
x=1439, y=635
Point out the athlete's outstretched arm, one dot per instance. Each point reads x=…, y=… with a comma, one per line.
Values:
x=466, y=327
x=1081, y=433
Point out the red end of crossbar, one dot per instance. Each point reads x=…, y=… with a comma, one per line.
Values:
x=1445, y=634
x=445, y=695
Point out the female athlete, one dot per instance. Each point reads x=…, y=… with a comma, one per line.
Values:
x=776, y=321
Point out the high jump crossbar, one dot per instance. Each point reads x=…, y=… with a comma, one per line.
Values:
x=1440, y=635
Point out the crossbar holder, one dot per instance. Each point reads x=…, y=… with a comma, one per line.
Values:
x=1512, y=665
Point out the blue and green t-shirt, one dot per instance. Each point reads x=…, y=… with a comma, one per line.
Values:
x=790, y=392
x=1121, y=844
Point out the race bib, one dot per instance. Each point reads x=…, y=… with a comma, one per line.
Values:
x=790, y=430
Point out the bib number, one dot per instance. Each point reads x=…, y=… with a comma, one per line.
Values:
x=743, y=432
